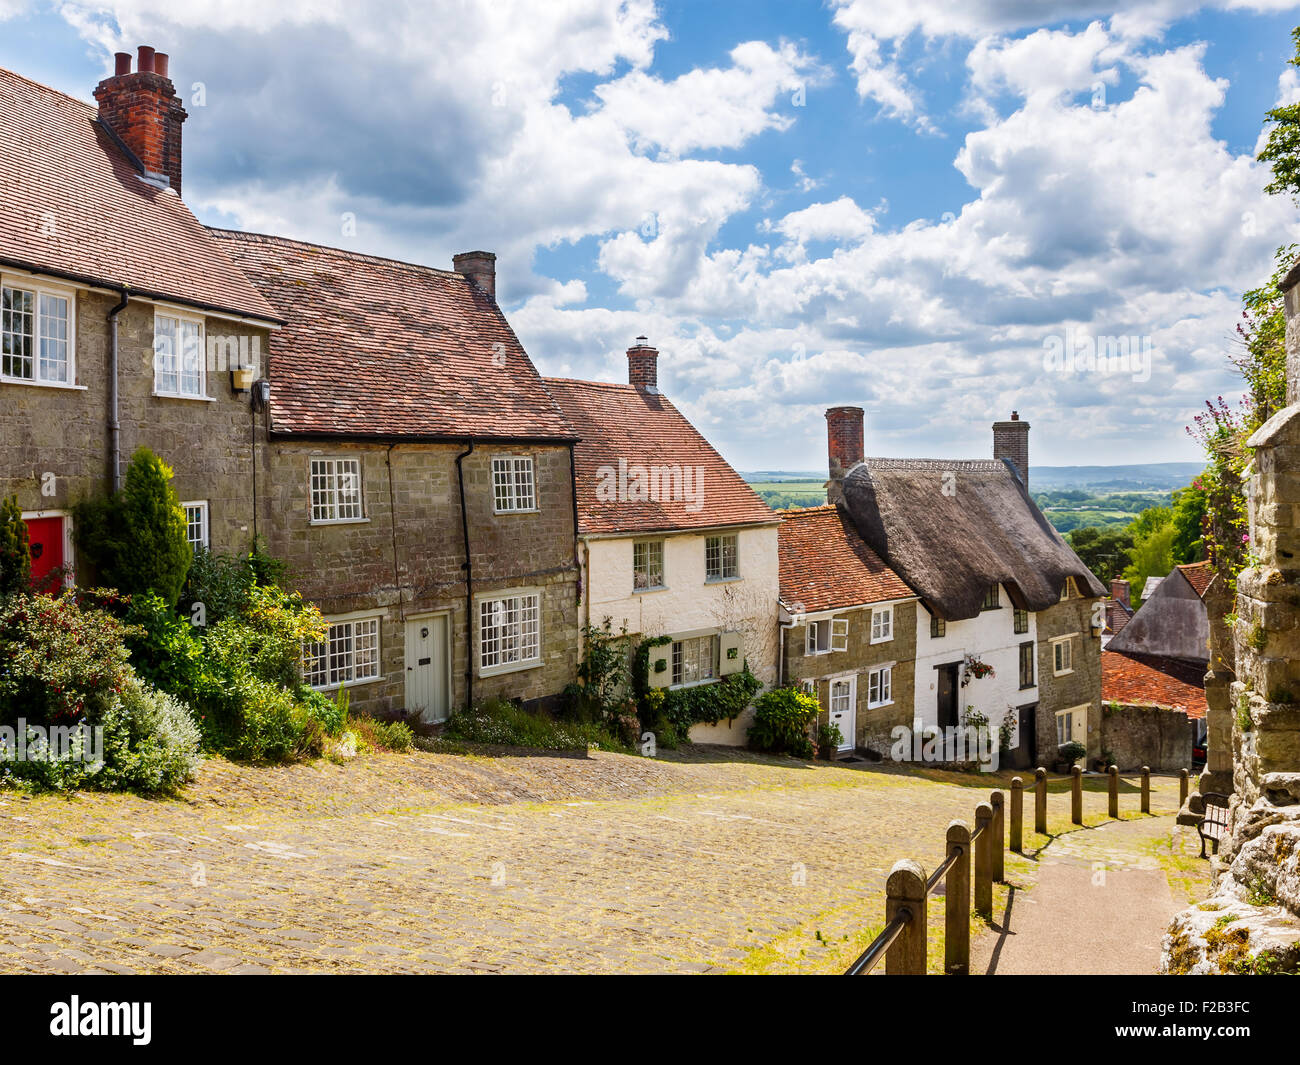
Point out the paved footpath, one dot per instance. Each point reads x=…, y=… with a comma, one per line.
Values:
x=1100, y=904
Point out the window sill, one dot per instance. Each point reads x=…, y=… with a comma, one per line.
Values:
x=722, y=580
x=646, y=591
x=1062, y=673
x=883, y=639
x=59, y=385
x=346, y=684
x=522, y=510
x=1028, y=687
x=513, y=667
x=179, y=395
x=693, y=684
x=339, y=521
x=876, y=706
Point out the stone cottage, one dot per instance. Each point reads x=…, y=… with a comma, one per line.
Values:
x=848, y=628
x=125, y=323
x=417, y=478
x=673, y=541
x=1010, y=620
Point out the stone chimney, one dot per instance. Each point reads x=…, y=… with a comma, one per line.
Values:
x=643, y=367
x=142, y=108
x=1011, y=441
x=480, y=267
x=1120, y=591
x=843, y=440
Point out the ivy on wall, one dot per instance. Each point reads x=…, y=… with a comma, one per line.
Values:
x=703, y=704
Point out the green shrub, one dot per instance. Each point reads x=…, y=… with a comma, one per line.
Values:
x=220, y=582
x=781, y=720
x=380, y=735
x=165, y=648
x=15, y=550
x=137, y=539
x=496, y=721
x=151, y=742
x=1071, y=751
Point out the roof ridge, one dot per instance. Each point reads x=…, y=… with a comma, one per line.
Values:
x=593, y=384
x=90, y=108
x=221, y=233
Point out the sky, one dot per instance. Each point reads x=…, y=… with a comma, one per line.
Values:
x=930, y=209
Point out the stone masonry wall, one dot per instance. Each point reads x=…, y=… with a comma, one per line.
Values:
x=1146, y=735
x=1081, y=685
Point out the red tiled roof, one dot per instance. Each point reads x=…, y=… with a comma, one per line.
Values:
x=621, y=424
x=73, y=204
x=1147, y=680
x=1198, y=575
x=825, y=564
x=376, y=347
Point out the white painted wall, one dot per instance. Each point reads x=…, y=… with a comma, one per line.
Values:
x=990, y=637
x=689, y=604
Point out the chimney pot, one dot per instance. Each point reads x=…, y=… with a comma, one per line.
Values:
x=160, y=64
x=844, y=440
x=121, y=64
x=145, y=64
x=1011, y=441
x=643, y=366
x=480, y=267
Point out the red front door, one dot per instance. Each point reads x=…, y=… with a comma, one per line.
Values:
x=45, y=537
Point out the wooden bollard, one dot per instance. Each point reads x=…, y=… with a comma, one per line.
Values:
x=984, y=860
x=1076, y=795
x=1146, y=789
x=1114, y=792
x=1183, y=784
x=1040, y=800
x=1017, y=815
x=905, y=891
x=956, y=933
x=997, y=868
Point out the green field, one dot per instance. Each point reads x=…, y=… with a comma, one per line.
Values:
x=784, y=494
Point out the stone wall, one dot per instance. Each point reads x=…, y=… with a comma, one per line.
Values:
x=1081, y=686
x=1146, y=735
x=64, y=432
x=405, y=556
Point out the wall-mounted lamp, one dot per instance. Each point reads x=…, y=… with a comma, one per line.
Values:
x=261, y=394
x=241, y=380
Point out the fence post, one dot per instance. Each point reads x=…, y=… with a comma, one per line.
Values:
x=905, y=890
x=1040, y=800
x=998, y=853
x=1017, y=815
x=1182, y=788
x=1076, y=795
x=1146, y=789
x=956, y=934
x=984, y=860
x=1113, y=811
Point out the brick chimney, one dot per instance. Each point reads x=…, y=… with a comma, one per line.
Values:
x=480, y=267
x=1011, y=441
x=145, y=113
x=843, y=440
x=643, y=366
x=1120, y=591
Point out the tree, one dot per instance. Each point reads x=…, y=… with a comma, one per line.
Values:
x=137, y=539
x=15, y=550
x=1104, y=550
x=1189, y=521
x=1153, y=547
x=1282, y=148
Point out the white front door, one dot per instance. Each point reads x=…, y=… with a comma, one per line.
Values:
x=428, y=680
x=844, y=710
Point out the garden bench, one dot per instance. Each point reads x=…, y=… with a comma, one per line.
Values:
x=1214, y=824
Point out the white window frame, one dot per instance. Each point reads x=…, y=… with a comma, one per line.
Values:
x=1068, y=590
x=181, y=320
x=368, y=627
x=882, y=624
x=648, y=545
x=201, y=506
x=509, y=494
x=721, y=541
x=1059, y=670
x=40, y=291
x=810, y=687
x=880, y=686
x=331, y=504
x=676, y=662
x=517, y=613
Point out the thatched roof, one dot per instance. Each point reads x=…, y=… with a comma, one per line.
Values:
x=952, y=528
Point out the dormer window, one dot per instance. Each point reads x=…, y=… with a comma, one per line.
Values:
x=1069, y=590
x=992, y=599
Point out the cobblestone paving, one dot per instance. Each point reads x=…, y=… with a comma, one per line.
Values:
x=442, y=863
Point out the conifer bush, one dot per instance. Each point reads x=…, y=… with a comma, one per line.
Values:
x=15, y=550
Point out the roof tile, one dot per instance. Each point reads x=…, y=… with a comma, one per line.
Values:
x=1148, y=680
x=825, y=564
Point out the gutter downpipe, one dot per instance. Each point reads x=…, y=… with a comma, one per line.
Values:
x=468, y=567
x=115, y=426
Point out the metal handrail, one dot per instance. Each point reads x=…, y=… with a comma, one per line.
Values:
x=870, y=957
x=942, y=871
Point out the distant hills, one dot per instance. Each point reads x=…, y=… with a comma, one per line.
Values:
x=1147, y=476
